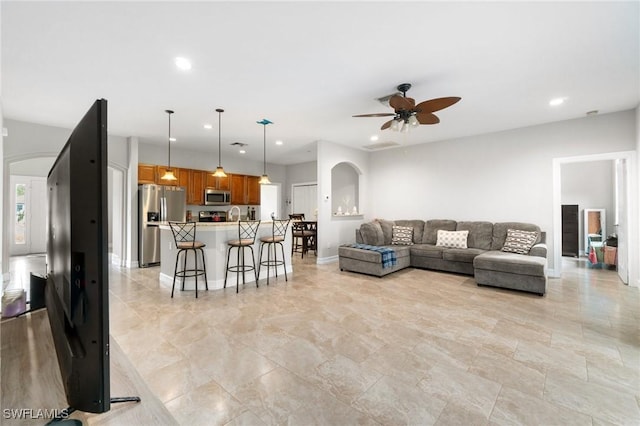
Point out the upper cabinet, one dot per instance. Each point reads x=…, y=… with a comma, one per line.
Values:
x=146, y=173
x=195, y=190
x=253, y=190
x=221, y=183
x=245, y=189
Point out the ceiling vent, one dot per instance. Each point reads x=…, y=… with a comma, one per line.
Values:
x=240, y=144
x=381, y=145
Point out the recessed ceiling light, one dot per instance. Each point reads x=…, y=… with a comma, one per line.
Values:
x=208, y=126
x=183, y=63
x=173, y=140
x=557, y=101
x=279, y=142
x=374, y=138
x=242, y=151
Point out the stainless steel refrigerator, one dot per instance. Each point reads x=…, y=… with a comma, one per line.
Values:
x=157, y=203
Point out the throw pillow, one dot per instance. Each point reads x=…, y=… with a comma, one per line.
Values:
x=519, y=241
x=452, y=239
x=402, y=235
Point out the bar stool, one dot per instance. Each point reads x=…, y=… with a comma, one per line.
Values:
x=296, y=230
x=184, y=236
x=247, y=231
x=278, y=235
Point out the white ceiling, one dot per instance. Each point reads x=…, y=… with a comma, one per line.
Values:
x=310, y=66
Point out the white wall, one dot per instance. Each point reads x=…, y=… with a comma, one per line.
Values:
x=333, y=231
x=345, y=194
x=505, y=176
x=590, y=185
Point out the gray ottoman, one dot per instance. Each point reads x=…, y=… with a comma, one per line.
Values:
x=512, y=271
x=370, y=262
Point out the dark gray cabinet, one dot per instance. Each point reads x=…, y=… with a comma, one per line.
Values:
x=570, y=228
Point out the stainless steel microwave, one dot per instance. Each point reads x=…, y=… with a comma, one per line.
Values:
x=214, y=197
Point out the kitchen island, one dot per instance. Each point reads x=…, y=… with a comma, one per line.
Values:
x=215, y=235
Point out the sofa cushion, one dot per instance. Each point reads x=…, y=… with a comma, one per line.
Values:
x=461, y=255
x=480, y=234
x=518, y=241
x=387, y=230
x=402, y=235
x=500, y=232
x=427, y=250
x=418, y=228
x=454, y=239
x=511, y=262
x=430, y=234
x=371, y=233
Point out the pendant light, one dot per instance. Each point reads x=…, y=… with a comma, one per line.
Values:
x=219, y=170
x=264, y=179
x=168, y=175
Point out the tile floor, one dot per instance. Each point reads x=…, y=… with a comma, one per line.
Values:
x=417, y=347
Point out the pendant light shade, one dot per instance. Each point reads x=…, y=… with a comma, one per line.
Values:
x=219, y=170
x=168, y=175
x=264, y=179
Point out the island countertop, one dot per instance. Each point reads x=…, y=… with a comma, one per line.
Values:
x=215, y=235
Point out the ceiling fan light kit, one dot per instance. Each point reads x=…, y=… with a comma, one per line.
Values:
x=407, y=114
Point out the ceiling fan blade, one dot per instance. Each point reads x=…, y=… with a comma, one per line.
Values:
x=437, y=104
x=400, y=103
x=427, y=118
x=386, y=125
x=379, y=114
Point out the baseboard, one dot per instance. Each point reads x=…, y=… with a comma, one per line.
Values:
x=326, y=260
x=553, y=273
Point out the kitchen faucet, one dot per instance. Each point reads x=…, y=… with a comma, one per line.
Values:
x=231, y=216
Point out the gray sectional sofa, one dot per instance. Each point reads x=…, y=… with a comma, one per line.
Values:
x=483, y=257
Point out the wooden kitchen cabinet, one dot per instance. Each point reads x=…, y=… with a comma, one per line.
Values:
x=245, y=190
x=238, y=187
x=183, y=178
x=221, y=183
x=146, y=173
x=253, y=190
x=195, y=191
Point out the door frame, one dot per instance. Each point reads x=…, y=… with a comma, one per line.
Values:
x=631, y=208
x=26, y=249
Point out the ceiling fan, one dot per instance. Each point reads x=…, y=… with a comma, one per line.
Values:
x=408, y=114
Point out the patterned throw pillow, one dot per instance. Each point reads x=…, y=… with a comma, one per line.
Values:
x=519, y=242
x=402, y=235
x=452, y=239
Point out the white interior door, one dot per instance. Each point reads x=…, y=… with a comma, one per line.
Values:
x=305, y=200
x=620, y=220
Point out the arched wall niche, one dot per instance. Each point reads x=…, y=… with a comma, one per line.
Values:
x=345, y=189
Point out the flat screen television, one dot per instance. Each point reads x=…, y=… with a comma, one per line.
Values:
x=76, y=292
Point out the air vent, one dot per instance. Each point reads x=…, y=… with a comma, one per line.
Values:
x=381, y=145
x=240, y=144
